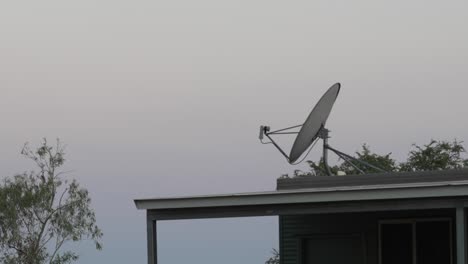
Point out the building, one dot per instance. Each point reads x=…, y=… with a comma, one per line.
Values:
x=386, y=218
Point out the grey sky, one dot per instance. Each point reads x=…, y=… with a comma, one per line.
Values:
x=165, y=98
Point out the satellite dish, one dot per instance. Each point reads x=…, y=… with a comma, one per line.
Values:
x=311, y=130
x=314, y=123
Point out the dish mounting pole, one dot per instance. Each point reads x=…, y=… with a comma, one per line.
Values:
x=323, y=134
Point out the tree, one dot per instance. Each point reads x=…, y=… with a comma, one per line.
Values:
x=41, y=211
x=384, y=162
x=437, y=155
x=365, y=154
x=275, y=259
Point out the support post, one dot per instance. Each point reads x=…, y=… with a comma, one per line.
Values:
x=461, y=234
x=151, y=239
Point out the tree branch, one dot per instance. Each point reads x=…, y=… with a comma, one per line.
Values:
x=58, y=245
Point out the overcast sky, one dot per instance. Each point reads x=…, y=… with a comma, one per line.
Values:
x=164, y=98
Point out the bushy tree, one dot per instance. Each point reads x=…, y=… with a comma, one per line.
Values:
x=436, y=155
x=384, y=162
x=41, y=211
x=317, y=169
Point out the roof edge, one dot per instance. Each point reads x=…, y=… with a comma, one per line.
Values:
x=311, y=195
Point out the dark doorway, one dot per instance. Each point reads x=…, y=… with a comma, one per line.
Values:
x=333, y=249
x=397, y=243
x=420, y=241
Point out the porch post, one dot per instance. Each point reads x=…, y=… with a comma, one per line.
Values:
x=151, y=239
x=460, y=234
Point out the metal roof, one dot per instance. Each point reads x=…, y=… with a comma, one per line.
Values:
x=442, y=184
x=373, y=179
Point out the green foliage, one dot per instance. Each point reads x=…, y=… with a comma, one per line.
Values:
x=437, y=155
x=318, y=169
x=384, y=162
x=275, y=259
x=40, y=212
